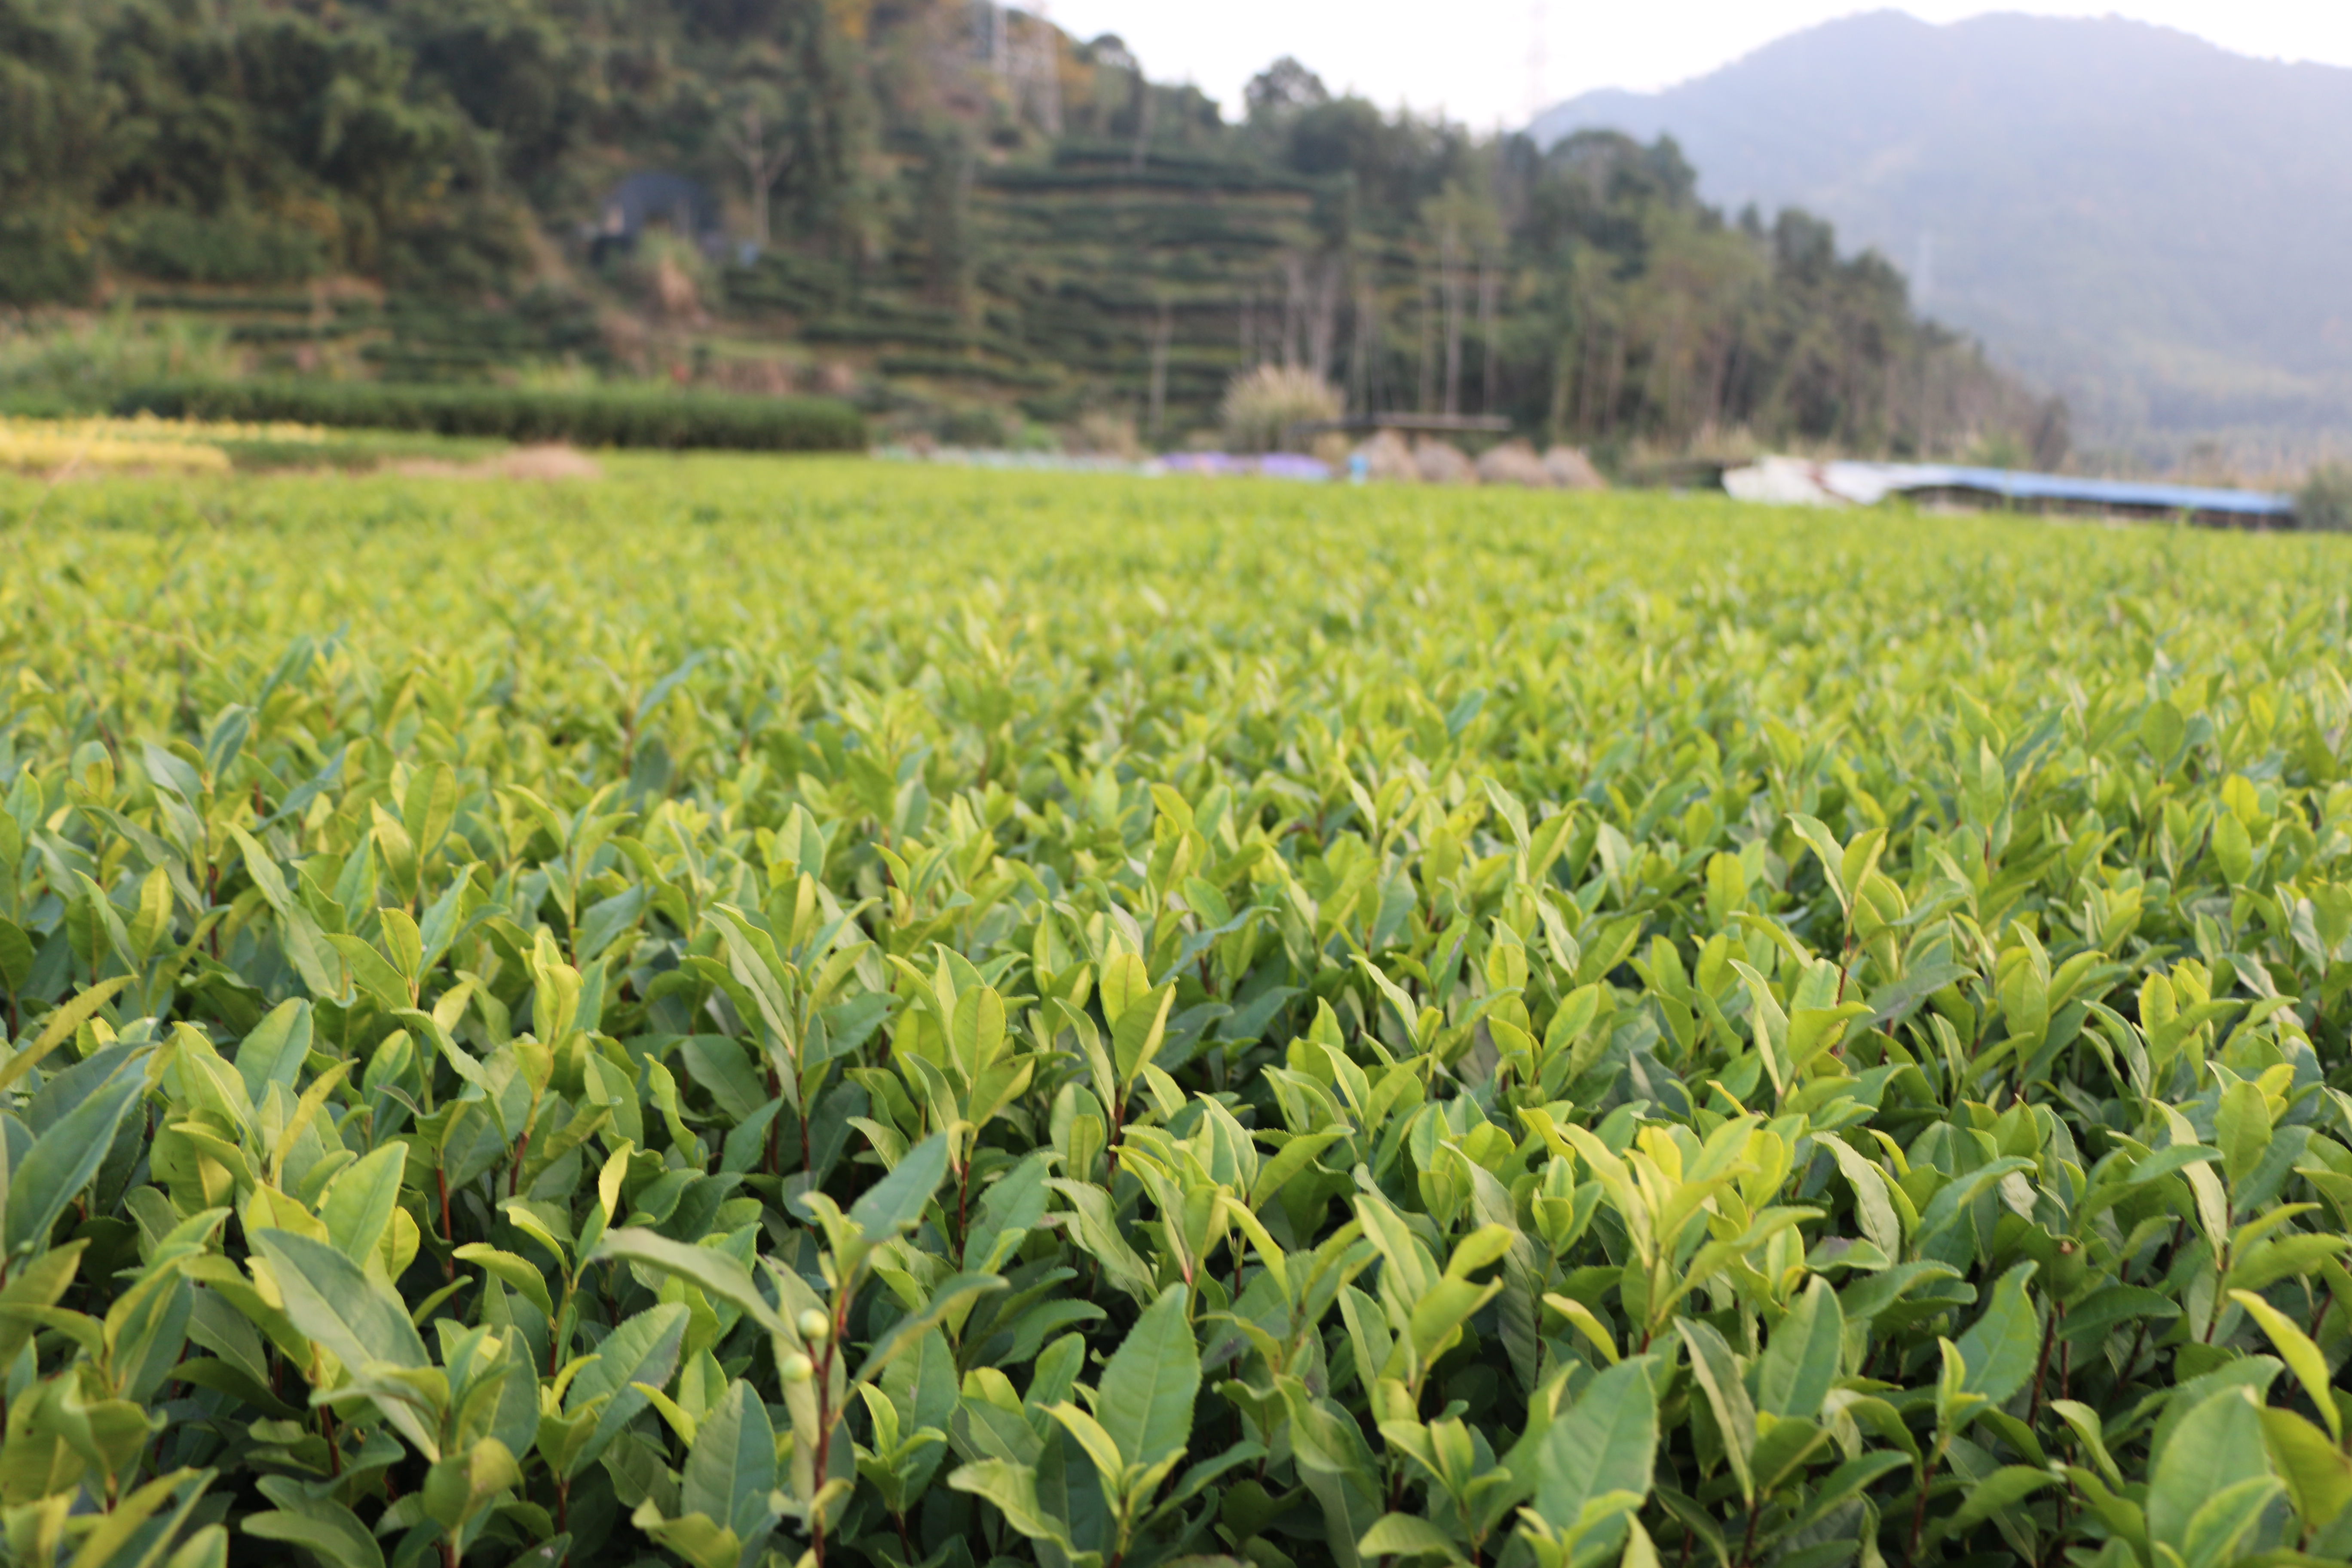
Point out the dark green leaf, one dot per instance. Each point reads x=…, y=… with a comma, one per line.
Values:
x=62, y=1160
x=2001, y=1346
x=895, y=1203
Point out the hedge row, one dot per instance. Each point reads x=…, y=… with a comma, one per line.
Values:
x=606, y=417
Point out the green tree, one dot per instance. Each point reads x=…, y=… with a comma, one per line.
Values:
x=2324, y=501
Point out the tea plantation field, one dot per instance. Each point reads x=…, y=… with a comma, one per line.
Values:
x=761, y=1012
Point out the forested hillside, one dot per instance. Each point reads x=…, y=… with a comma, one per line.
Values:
x=976, y=222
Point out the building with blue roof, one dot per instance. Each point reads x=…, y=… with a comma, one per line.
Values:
x=2005, y=489
x=2011, y=490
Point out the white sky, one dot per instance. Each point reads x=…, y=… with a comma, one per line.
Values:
x=1490, y=61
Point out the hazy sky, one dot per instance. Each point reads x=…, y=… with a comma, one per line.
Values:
x=1486, y=61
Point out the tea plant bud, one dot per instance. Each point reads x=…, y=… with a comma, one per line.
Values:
x=2068, y=1268
x=796, y=1368
x=815, y=1326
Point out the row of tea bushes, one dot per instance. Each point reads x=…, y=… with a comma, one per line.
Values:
x=872, y=1014
x=604, y=417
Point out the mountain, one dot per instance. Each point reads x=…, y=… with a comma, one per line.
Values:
x=2155, y=226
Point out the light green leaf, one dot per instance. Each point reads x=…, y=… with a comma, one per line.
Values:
x=1095, y=1442
x=718, y=1275
x=977, y=1031
x=2223, y=1519
x=59, y=1026
x=1014, y=1205
x=698, y=1540
x=519, y=1272
x=732, y=1468
x=374, y=976
x=338, y=1542
x=328, y=1299
x=1872, y=1206
x=1136, y=1038
x=43, y=1282
x=2303, y=1357
x=2091, y=1433
x=1443, y=1308
x=16, y=956
x=1988, y=1495
x=1336, y=1465
x=1012, y=1487
x=2216, y=1448
x=1145, y=1401
x=2319, y=1474
x=1099, y=1233
x=1800, y=1362
x=1607, y=1443
x=1828, y=851
x=752, y=958
x=1402, y=1535
x=358, y=1206
x=1125, y=979
x=2241, y=1128
x=274, y=1052
x=951, y=1295
x=1717, y=1375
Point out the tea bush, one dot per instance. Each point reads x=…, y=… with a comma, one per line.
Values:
x=181, y=245
x=893, y=1016
x=604, y=416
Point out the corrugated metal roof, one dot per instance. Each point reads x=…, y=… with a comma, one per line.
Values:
x=1796, y=480
x=2015, y=485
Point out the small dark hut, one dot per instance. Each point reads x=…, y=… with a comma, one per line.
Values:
x=651, y=197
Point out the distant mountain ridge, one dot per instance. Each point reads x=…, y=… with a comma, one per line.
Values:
x=2155, y=226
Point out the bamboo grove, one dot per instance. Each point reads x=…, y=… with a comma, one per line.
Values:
x=834, y=1015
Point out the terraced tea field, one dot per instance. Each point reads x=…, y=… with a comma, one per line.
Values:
x=756, y=1011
